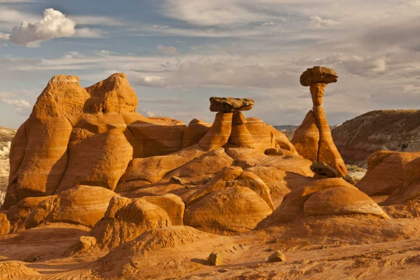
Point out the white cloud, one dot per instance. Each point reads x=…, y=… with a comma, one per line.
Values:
x=53, y=25
x=211, y=13
x=219, y=71
x=16, y=1
x=167, y=50
x=160, y=26
x=106, y=53
x=18, y=104
x=196, y=48
x=4, y=36
x=96, y=20
x=88, y=33
x=317, y=21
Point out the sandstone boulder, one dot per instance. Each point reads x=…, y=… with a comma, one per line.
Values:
x=126, y=219
x=324, y=169
x=341, y=201
x=228, y=211
x=277, y=256
x=409, y=189
x=81, y=205
x=318, y=74
x=385, y=172
x=332, y=196
x=230, y=104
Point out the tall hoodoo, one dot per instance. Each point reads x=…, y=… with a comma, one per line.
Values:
x=313, y=138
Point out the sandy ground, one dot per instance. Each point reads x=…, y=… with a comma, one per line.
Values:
x=45, y=253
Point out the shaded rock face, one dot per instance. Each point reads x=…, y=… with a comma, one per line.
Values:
x=389, y=130
x=313, y=138
x=230, y=104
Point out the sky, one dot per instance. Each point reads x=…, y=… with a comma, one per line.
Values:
x=178, y=53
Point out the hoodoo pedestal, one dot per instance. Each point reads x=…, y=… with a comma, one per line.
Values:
x=313, y=139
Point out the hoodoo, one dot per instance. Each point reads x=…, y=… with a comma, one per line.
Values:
x=312, y=138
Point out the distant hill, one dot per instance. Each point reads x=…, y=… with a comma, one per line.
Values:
x=394, y=130
x=6, y=136
x=288, y=130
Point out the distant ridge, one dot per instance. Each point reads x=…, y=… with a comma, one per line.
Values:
x=393, y=130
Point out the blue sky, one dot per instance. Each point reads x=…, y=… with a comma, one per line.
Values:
x=177, y=54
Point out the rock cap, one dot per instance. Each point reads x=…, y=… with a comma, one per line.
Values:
x=230, y=104
x=59, y=79
x=318, y=74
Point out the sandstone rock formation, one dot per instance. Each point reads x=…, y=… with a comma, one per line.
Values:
x=385, y=172
x=50, y=152
x=388, y=130
x=120, y=196
x=313, y=138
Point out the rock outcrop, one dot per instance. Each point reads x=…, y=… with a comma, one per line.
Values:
x=313, y=138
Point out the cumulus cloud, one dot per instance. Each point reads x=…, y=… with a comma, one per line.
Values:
x=53, y=25
x=167, y=50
